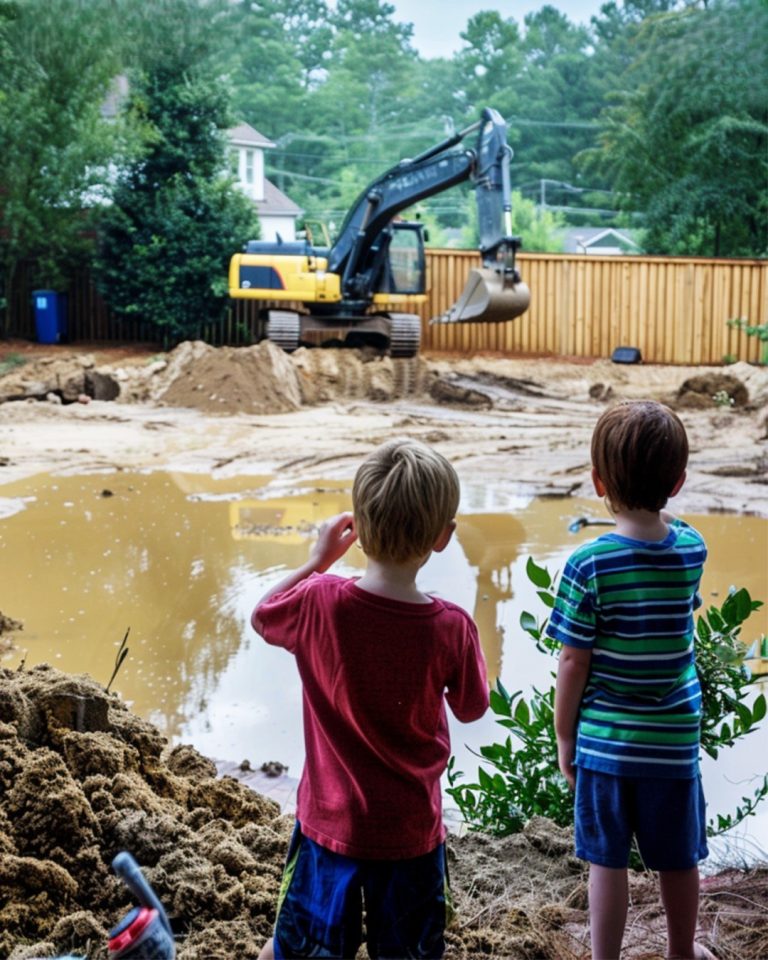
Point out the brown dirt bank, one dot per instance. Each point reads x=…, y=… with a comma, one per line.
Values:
x=81, y=778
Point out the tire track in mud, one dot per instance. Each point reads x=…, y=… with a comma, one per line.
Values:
x=328, y=375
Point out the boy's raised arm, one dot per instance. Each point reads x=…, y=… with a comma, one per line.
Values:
x=334, y=538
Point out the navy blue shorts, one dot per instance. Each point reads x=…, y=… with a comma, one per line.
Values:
x=666, y=817
x=322, y=895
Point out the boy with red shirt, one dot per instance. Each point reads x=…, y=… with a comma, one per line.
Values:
x=377, y=659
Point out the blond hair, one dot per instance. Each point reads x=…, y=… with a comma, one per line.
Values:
x=404, y=496
x=640, y=451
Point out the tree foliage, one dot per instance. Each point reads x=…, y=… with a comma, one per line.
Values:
x=687, y=139
x=653, y=116
x=56, y=64
x=175, y=219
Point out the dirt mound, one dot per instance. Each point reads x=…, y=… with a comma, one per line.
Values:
x=8, y=624
x=327, y=375
x=705, y=391
x=63, y=378
x=259, y=379
x=82, y=778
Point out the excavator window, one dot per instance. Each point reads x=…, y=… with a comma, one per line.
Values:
x=406, y=258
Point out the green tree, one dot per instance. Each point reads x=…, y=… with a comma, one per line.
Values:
x=687, y=139
x=489, y=64
x=176, y=218
x=56, y=64
x=539, y=229
x=560, y=95
x=277, y=57
x=359, y=108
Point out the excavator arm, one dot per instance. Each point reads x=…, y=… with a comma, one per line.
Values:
x=403, y=185
x=495, y=289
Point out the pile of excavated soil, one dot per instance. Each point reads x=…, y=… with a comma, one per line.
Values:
x=262, y=379
x=258, y=379
x=82, y=778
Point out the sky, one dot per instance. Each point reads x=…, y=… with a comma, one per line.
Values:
x=437, y=23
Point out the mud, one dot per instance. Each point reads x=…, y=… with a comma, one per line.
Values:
x=82, y=778
x=516, y=421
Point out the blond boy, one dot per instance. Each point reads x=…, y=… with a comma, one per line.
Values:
x=378, y=659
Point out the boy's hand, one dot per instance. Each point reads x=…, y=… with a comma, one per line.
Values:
x=566, y=750
x=335, y=537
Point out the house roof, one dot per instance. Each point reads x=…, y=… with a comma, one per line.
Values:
x=244, y=135
x=579, y=239
x=276, y=203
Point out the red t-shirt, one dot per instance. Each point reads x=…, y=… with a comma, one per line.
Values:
x=376, y=673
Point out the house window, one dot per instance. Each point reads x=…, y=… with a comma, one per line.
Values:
x=250, y=163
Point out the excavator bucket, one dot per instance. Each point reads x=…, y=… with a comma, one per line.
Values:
x=488, y=297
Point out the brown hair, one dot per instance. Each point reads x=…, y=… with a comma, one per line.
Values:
x=639, y=450
x=404, y=495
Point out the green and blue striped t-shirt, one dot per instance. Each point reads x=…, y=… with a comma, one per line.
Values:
x=631, y=602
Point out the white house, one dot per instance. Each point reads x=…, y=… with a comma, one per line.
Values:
x=277, y=213
x=605, y=241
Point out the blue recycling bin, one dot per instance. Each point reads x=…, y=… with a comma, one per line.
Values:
x=50, y=315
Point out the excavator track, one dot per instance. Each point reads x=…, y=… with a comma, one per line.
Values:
x=283, y=329
x=405, y=335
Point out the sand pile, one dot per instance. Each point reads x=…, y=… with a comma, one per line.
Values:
x=82, y=778
x=259, y=379
x=61, y=379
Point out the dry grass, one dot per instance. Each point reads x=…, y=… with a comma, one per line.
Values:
x=525, y=898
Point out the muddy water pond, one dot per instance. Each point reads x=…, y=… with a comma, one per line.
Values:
x=178, y=560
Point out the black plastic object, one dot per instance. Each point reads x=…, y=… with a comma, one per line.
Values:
x=626, y=355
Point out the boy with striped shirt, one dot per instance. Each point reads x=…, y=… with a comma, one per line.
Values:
x=628, y=700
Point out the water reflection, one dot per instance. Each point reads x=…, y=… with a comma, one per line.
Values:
x=491, y=544
x=181, y=559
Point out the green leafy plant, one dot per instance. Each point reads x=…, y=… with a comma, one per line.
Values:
x=723, y=676
x=759, y=330
x=11, y=362
x=524, y=778
x=723, y=399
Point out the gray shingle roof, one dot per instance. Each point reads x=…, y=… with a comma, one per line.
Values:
x=276, y=202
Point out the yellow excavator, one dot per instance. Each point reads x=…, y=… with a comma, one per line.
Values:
x=378, y=258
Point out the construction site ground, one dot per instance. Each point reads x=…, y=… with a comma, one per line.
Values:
x=81, y=776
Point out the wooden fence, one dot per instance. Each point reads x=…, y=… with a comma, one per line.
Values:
x=674, y=309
